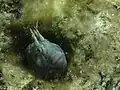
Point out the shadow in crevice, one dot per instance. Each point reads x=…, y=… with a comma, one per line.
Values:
x=21, y=38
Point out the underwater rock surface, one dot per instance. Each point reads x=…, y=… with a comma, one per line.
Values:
x=90, y=28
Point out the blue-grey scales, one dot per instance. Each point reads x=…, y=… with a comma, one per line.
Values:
x=45, y=57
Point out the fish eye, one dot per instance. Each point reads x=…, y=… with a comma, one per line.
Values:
x=38, y=50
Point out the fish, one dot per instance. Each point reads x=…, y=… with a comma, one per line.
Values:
x=46, y=58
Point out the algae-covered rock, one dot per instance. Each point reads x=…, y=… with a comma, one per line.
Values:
x=14, y=76
x=87, y=30
x=43, y=10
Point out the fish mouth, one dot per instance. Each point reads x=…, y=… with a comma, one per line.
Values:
x=36, y=35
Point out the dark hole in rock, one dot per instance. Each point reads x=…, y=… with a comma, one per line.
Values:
x=2, y=82
x=22, y=38
x=88, y=53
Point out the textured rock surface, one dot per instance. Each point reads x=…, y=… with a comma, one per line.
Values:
x=91, y=26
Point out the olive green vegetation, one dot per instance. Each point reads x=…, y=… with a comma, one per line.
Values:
x=89, y=29
x=42, y=10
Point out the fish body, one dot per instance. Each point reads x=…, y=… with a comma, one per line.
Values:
x=45, y=57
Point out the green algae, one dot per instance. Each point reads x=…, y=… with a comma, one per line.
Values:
x=90, y=26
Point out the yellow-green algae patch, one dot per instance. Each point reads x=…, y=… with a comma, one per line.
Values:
x=43, y=10
x=15, y=77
